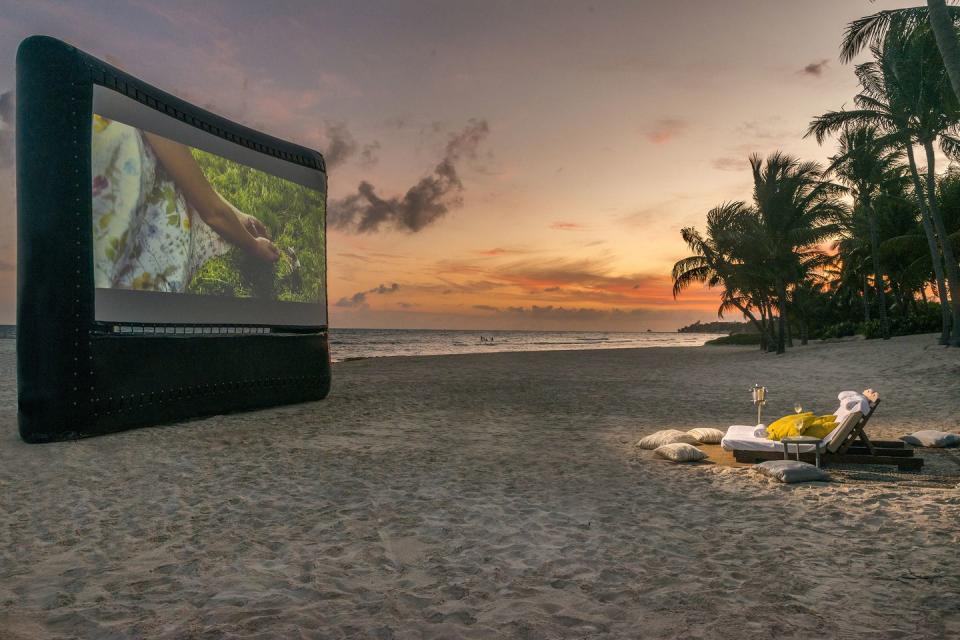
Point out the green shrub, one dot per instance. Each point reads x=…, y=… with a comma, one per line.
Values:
x=870, y=329
x=839, y=330
x=737, y=339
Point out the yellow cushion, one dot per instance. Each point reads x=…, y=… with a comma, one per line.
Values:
x=787, y=426
x=803, y=424
x=821, y=427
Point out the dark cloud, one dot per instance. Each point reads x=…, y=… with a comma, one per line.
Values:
x=359, y=299
x=6, y=129
x=423, y=204
x=385, y=289
x=368, y=155
x=485, y=307
x=397, y=122
x=666, y=130
x=566, y=226
x=340, y=145
x=815, y=69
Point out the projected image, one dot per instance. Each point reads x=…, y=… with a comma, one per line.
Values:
x=168, y=217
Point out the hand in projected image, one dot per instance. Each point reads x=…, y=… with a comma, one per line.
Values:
x=265, y=250
x=234, y=226
x=253, y=226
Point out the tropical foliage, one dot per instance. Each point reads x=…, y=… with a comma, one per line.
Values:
x=868, y=244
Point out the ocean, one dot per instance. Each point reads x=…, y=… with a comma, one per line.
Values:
x=349, y=344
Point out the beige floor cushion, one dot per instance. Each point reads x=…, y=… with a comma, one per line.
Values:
x=680, y=452
x=667, y=436
x=706, y=435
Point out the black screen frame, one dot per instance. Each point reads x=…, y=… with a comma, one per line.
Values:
x=78, y=377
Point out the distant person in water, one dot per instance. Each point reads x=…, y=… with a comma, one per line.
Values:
x=156, y=218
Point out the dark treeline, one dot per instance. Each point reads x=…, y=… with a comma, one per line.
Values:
x=726, y=328
x=869, y=243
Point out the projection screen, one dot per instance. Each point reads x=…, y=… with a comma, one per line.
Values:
x=189, y=228
x=171, y=263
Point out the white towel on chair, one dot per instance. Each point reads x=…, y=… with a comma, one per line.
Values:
x=740, y=431
x=851, y=401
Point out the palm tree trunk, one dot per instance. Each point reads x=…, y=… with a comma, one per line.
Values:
x=745, y=310
x=949, y=258
x=877, y=271
x=782, y=320
x=946, y=36
x=764, y=341
x=772, y=346
x=935, y=256
x=866, y=298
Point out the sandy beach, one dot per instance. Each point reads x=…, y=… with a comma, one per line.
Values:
x=490, y=496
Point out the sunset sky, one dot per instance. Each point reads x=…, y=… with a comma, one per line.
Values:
x=584, y=135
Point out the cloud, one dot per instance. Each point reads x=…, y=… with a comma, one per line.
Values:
x=815, y=69
x=423, y=204
x=6, y=129
x=730, y=163
x=359, y=299
x=666, y=130
x=496, y=251
x=502, y=251
x=383, y=289
x=771, y=128
x=340, y=145
x=654, y=214
x=368, y=155
x=572, y=315
x=566, y=226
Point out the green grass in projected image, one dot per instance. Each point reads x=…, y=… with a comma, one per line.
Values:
x=294, y=214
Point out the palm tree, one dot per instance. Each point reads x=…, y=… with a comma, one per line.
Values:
x=795, y=206
x=943, y=26
x=873, y=29
x=713, y=262
x=902, y=94
x=865, y=163
x=807, y=292
x=853, y=260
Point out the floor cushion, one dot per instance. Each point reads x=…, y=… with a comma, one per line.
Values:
x=680, y=452
x=790, y=471
x=667, y=436
x=932, y=438
x=706, y=435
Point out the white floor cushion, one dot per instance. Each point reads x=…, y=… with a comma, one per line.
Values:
x=680, y=452
x=667, y=436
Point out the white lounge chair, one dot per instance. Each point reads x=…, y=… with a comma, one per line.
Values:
x=838, y=446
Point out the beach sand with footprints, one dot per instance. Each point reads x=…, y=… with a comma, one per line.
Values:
x=491, y=496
